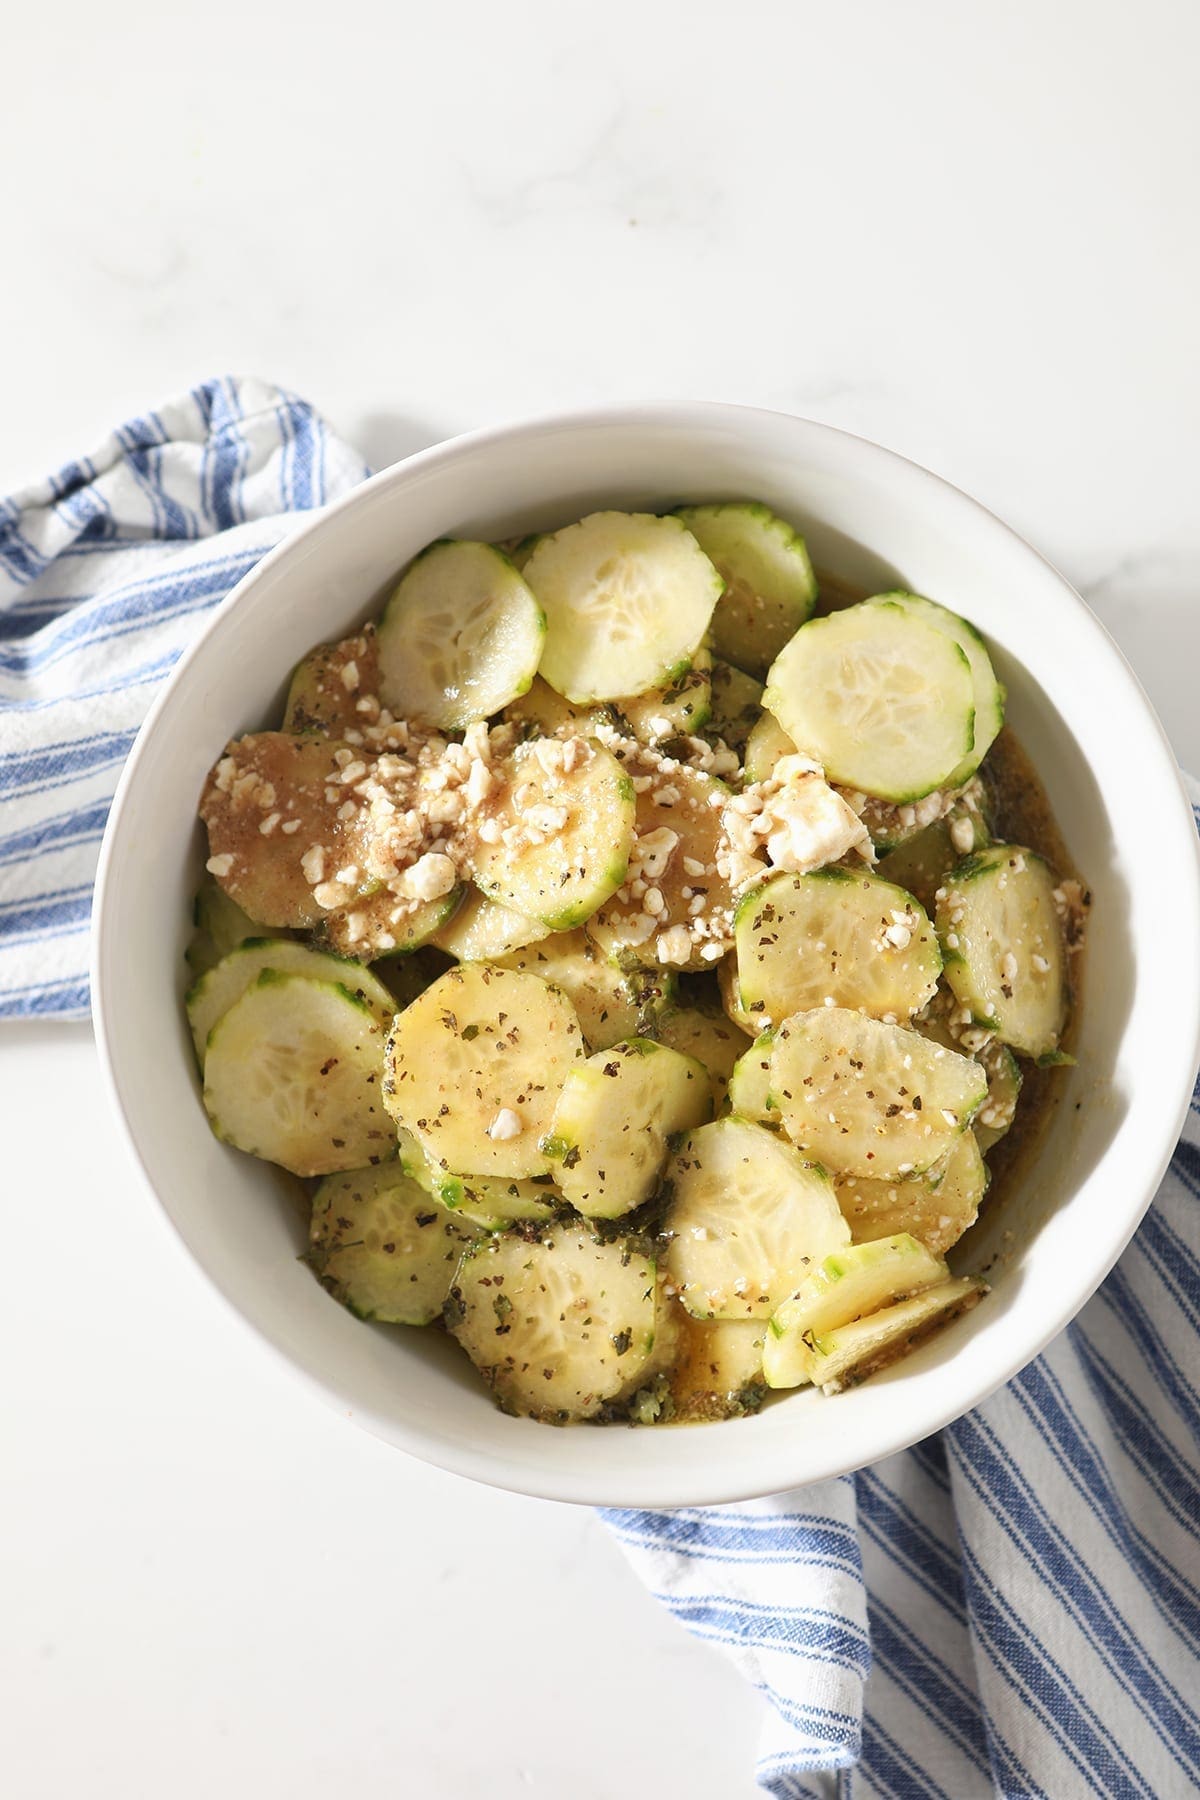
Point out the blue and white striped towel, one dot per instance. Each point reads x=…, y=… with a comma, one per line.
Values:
x=1012, y=1607
x=106, y=571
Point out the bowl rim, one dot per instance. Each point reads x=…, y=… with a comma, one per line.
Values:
x=655, y=1488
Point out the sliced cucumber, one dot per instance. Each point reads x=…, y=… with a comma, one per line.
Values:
x=542, y=712
x=717, y=1372
x=493, y=1201
x=736, y=705
x=224, y=922
x=610, y=1004
x=922, y=862
x=382, y=925
x=770, y=588
x=327, y=686
x=998, y=1111
x=989, y=695
x=750, y=1083
x=842, y=1358
x=627, y=598
x=747, y=1219
x=381, y=1246
x=1003, y=1071
x=272, y=778
x=836, y=936
x=293, y=1074
x=413, y=1160
x=767, y=744
x=693, y=924
x=1003, y=944
x=210, y=998
x=519, y=550
x=612, y=1121
x=752, y=1023
x=559, y=1327
x=867, y=1098
x=561, y=835
x=474, y=1067
x=460, y=637
x=481, y=930
x=936, y=1207
x=849, y=1285
x=221, y=926
x=705, y=1033
x=674, y=711
x=405, y=977
x=884, y=701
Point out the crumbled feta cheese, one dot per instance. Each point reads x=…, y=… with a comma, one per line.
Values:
x=505, y=1125
x=962, y=835
x=312, y=864
x=674, y=945
x=431, y=876
x=220, y=866
x=350, y=677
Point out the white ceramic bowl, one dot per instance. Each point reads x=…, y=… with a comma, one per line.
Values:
x=869, y=517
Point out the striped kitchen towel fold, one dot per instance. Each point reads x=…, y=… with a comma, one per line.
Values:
x=106, y=569
x=1011, y=1608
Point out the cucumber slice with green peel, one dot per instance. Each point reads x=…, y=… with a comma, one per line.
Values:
x=1003, y=943
x=998, y=1111
x=542, y=712
x=705, y=1033
x=867, y=1098
x=675, y=711
x=921, y=863
x=851, y=1284
x=293, y=1073
x=627, y=597
x=382, y=925
x=413, y=1160
x=327, y=686
x=717, y=1372
x=989, y=695
x=766, y=745
x=753, y=1023
x=736, y=705
x=475, y=1065
x=271, y=779
x=747, y=1218
x=614, y=1116
x=225, y=923
x=405, y=977
x=610, y=1004
x=750, y=1083
x=210, y=998
x=561, y=835
x=996, y=1114
x=559, y=1328
x=770, y=588
x=522, y=549
x=460, y=637
x=936, y=1208
x=842, y=1358
x=673, y=866
x=494, y=1201
x=482, y=930
x=884, y=701
x=835, y=937
x=381, y=1246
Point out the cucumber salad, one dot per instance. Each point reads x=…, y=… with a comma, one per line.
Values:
x=617, y=943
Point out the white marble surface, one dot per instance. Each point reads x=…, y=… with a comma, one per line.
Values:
x=968, y=231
